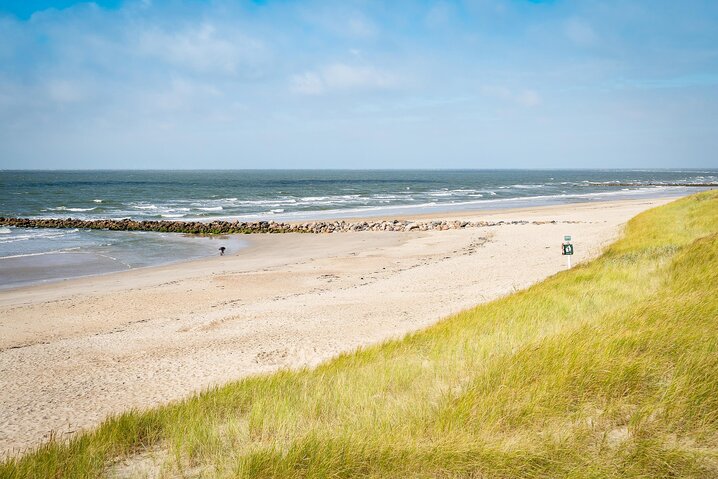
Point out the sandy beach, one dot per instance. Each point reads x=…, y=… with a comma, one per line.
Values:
x=76, y=351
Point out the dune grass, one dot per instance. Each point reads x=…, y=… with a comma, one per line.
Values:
x=607, y=370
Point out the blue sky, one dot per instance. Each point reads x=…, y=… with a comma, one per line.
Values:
x=358, y=84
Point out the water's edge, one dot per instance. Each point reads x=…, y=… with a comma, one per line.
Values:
x=88, y=247
x=127, y=251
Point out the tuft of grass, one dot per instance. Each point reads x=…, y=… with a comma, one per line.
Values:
x=607, y=370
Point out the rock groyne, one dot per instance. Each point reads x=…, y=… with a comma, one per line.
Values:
x=234, y=227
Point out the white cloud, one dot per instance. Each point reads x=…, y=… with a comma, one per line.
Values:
x=181, y=94
x=360, y=26
x=580, y=32
x=65, y=91
x=308, y=83
x=439, y=15
x=202, y=48
x=342, y=22
x=343, y=77
x=87, y=72
x=526, y=97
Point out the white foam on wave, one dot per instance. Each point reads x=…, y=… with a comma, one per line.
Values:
x=314, y=198
x=97, y=201
x=65, y=208
x=5, y=231
x=35, y=234
x=285, y=201
x=459, y=192
x=444, y=205
x=332, y=200
x=211, y=208
x=41, y=253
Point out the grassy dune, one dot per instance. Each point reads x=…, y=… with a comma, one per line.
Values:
x=607, y=370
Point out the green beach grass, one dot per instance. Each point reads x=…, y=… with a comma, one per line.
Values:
x=606, y=370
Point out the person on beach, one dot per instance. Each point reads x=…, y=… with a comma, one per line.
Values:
x=221, y=250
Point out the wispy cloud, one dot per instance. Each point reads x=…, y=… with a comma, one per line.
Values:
x=683, y=81
x=580, y=32
x=307, y=83
x=180, y=79
x=202, y=48
x=440, y=15
x=522, y=97
x=341, y=20
x=340, y=77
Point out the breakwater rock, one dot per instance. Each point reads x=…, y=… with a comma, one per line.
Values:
x=232, y=227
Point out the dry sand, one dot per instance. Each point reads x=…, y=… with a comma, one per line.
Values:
x=74, y=352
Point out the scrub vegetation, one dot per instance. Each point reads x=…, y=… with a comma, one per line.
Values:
x=609, y=369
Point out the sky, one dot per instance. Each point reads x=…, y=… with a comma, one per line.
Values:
x=358, y=84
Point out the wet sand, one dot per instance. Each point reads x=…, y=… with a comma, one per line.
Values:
x=76, y=351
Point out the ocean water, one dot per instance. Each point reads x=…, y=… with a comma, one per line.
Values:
x=41, y=255
x=297, y=194
x=32, y=255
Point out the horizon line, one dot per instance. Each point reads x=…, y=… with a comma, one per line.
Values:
x=696, y=168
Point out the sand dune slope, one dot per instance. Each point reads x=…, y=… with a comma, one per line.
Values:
x=72, y=353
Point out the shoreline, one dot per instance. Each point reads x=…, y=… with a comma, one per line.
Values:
x=401, y=211
x=147, y=336
x=99, y=253
x=245, y=239
x=336, y=224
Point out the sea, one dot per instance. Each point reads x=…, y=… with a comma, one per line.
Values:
x=41, y=255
